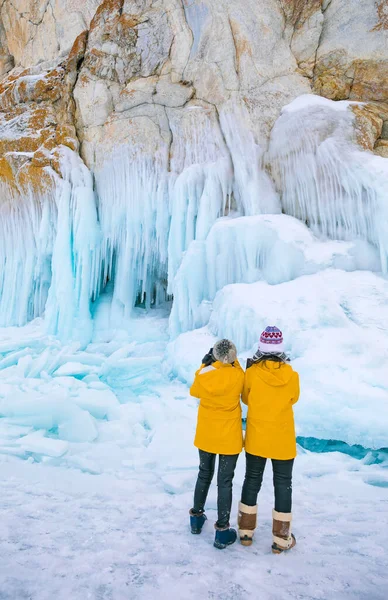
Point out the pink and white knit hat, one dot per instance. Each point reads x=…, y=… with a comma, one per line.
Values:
x=271, y=341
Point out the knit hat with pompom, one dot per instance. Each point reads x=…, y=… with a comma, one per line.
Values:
x=225, y=351
x=271, y=341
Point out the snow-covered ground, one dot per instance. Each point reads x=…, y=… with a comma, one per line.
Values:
x=97, y=473
x=66, y=534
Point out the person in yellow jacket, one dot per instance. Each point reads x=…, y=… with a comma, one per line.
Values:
x=271, y=388
x=218, y=384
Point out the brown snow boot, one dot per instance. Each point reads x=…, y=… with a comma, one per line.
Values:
x=247, y=517
x=283, y=539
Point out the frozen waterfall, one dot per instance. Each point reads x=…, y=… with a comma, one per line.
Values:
x=187, y=225
x=49, y=252
x=325, y=180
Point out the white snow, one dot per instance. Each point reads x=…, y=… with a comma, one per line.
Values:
x=306, y=101
x=126, y=535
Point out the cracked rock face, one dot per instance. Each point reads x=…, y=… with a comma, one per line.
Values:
x=43, y=30
x=171, y=78
x=147, y=60
x=352, y=57
x=36, y=119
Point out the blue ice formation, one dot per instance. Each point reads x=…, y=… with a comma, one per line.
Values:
x=149, y=232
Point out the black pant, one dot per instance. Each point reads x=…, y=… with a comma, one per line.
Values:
x=226, y=466
x=282, y=481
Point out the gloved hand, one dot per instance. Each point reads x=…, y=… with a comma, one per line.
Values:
x=208, y=359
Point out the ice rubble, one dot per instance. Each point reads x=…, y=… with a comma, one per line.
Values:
x=56, y=400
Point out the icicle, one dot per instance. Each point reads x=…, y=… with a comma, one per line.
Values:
x=199, y=196
x=201, y=191
x=252, y=188
x=326, y=181
x=76, y=253
x=27, y=229
x=134, y=215
x=49, y=252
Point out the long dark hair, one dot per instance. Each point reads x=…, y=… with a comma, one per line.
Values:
x=262, y=359
x=276, y=358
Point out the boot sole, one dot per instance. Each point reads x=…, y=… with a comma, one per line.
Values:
x=277, y=550
x=222, y=546
x=246, y=542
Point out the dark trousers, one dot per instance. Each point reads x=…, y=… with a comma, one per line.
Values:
x=226, y=466
x=282, y=481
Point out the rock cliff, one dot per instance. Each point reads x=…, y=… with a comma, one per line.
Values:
x=94, y=75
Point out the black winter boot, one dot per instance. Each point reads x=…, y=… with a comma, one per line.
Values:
x=197, y=521
x=225, y=536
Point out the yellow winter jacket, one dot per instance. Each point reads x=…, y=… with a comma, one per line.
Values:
x=270, y=390
x=219, y=428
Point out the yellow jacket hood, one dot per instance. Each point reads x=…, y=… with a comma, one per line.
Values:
x=219, y=383
x=273, y=374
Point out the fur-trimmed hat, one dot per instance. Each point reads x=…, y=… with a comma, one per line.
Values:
x=271, y=341
x=225, y=351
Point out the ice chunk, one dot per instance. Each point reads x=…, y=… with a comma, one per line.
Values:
x=76, y=369
x=79, y=428
x=49, y=411
x=100, y=403
x=37, y=443
x=184, y=354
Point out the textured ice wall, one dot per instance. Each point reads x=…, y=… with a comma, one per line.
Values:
x=155, y=231
x=324, y=178
x=152, y=209
x=49, y=252
x=271, y=248
x=26, y=243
